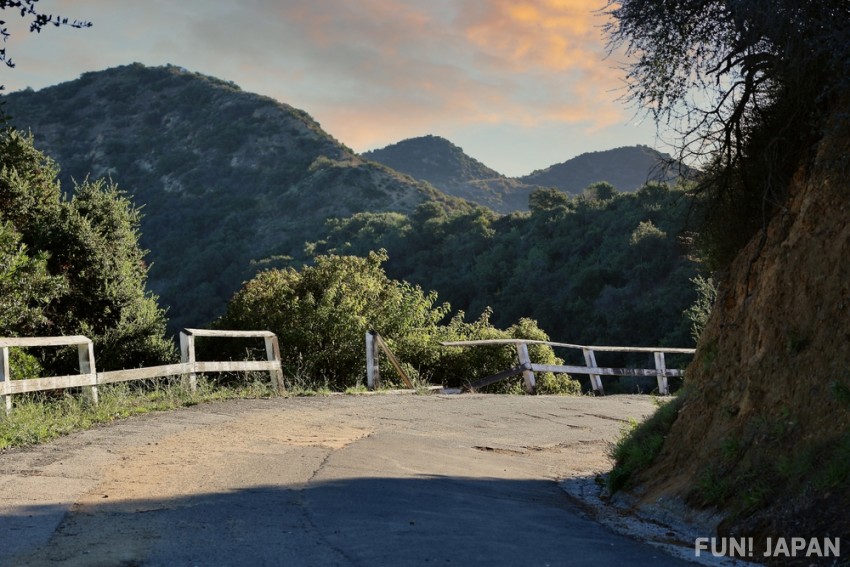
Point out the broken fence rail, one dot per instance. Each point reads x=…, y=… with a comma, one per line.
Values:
x=527, y=368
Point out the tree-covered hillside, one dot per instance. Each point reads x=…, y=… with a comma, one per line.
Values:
x=223, y=177
x=446, y=166
x=603, y=267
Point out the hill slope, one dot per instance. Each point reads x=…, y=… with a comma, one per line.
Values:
x=627, y=168
x=225, y=177
x=446, y=166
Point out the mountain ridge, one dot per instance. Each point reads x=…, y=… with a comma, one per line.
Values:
x=227, y=178
x=445, y=166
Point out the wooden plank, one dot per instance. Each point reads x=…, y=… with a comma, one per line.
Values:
x=595, y=379
x=232, y=334
x=670, y=350
x=495, y=378
x=52, y=383
x=237, y=366
x=273, y=355
x=43, y=341
x=144, y=373
x=85, y=356
x=373, y=372
x=393, y=360
x=605, y=371
x=663, y=388
x=528, y=383
x=5, y=378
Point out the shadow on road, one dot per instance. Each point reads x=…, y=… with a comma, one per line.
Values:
x=353, y=521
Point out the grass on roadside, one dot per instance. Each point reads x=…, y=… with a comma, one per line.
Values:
x=640, y=443
x=41, y=417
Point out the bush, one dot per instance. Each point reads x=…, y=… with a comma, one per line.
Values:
x=322, y=313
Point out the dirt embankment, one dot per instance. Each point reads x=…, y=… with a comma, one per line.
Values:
x=765, y=432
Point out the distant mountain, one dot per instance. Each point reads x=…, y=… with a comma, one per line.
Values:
x=627, y=169
x=225, y=178
x=446, y=167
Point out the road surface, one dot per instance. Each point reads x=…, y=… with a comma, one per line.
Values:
x=367, y=480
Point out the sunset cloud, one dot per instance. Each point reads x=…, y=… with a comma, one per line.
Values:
x=371, y=71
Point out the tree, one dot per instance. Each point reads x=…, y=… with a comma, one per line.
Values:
x=74, y=266
x=26, y=287
x=747, y=84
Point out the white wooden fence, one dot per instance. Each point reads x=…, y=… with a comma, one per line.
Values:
x=527, y=368
x=89, y=379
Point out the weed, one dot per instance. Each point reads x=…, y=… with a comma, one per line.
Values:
x=841, y=391
x=835, y=472
x=796, y=342
x=730, y=447
x=712, y=489
x=639, y=444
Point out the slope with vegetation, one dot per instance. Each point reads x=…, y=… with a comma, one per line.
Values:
x=601, y=268
x=224, y=177
x=762, y=435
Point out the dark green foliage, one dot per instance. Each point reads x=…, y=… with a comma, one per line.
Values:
x=588, y=271
x=322, y=313
x=26, y=287
x=750, y=85
x=73, y=266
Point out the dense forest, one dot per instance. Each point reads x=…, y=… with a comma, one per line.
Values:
x=600, y=268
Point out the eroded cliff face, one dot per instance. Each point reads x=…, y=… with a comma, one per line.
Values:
x=764, y=434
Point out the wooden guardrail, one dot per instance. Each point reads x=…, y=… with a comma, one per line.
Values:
x=527, y=368
x=89, y=379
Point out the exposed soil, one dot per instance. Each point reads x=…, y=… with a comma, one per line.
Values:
x=765, y=422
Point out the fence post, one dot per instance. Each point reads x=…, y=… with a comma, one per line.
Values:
x=595, y=379
x=5, y=378
x=525, y=362
x=187, y=354
x=273, y=355
x=373, y=373
x=663, y=389
x=85, y=355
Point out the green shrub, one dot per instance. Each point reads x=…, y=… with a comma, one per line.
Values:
x=322, y=313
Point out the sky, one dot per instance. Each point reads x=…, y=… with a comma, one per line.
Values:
x=519, y=85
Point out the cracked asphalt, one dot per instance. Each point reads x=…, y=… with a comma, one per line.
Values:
x=338, y=480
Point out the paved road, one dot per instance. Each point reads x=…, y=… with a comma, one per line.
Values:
x=337, y=480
